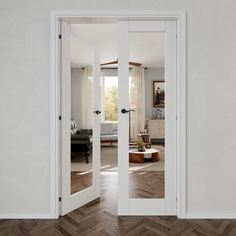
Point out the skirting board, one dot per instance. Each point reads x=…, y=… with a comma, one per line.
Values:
x=26, y=216
x=211, y=215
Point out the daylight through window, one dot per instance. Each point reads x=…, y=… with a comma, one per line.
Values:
x=111, y=98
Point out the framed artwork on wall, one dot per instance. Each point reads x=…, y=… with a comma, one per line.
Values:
x=158, y=93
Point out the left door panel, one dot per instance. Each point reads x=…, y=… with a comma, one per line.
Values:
x=80, y=140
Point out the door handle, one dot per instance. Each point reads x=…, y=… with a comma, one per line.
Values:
x=126, y=111
x=97, y=112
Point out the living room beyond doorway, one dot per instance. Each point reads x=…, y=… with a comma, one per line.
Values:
x=147, y=80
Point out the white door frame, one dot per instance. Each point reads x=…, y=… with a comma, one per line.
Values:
x=180, y=17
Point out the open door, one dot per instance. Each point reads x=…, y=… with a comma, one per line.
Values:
x=87, y=188
x=147, y=170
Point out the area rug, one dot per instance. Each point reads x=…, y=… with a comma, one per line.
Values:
x=109, y=161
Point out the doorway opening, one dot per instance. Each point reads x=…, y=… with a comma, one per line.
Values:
x=146, y=98
x=102, y=135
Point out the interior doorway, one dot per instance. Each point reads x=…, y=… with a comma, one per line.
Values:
x=97, y=139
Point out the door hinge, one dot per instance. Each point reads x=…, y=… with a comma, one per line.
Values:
x=59, y=199
x=59, y=36
x=59, y=117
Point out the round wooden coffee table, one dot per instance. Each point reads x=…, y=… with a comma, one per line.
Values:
x=151, y=154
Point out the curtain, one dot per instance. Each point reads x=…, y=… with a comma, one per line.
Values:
x=87, y=98
x=137, y=101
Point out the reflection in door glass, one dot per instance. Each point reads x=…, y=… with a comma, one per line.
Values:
x=81, y=120
x=147, y=123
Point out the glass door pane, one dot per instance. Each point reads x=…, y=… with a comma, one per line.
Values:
x=81, y=116
x=147, y=121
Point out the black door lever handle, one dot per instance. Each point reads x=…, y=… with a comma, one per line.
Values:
x=97, y=112
x=126, y=111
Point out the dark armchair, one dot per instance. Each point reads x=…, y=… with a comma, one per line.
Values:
x=80, y=141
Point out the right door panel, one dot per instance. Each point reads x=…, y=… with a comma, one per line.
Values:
x=147, y=131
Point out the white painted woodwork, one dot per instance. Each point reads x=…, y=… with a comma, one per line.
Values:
x=72, y=201
x=170, y=119
x=66, y=116
x=146, y=26
x=147, y=206
x=167, y=205
x=76, y=16
x=123, y=119
x=96, y=123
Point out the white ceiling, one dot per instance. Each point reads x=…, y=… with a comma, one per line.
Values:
x=146, y=48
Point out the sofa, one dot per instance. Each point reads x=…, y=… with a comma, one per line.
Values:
x=80, y=142
x=109, y=133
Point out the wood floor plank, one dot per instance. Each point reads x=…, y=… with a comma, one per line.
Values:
x=147, y=184
x=80, y=180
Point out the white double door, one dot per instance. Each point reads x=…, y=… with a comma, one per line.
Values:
x=126, y=205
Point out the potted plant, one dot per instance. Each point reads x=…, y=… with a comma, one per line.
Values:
x=140, y=145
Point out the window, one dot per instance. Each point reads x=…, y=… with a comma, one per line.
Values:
x=110, y=98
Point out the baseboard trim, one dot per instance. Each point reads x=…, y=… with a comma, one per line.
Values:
x=215, y=215
x=25, y=216
x=184, y=216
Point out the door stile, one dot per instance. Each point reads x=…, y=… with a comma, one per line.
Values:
x=96, y=123
x=123, y=124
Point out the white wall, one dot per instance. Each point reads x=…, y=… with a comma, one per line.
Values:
x=76, y=95
x=25, y=101
x=151, y=74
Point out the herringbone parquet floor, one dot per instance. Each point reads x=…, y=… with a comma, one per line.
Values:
x=80, y=181
x=99, y=218
x=147, y=184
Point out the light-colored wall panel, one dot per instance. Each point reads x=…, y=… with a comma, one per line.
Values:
x=76, y=95
x=151, y=74
x=25, y=101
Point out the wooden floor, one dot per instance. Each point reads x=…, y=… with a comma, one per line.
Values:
x=100, y=219
x=142, y=184
x=80, y=180
x=147, y=184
